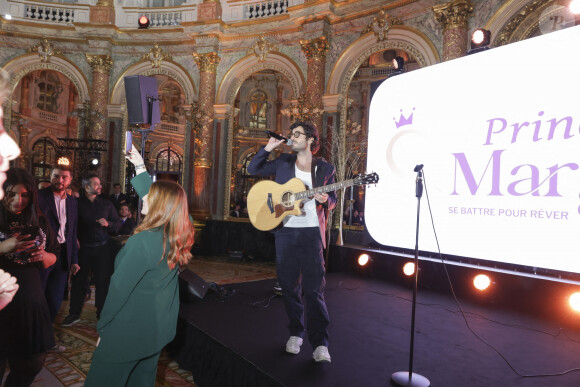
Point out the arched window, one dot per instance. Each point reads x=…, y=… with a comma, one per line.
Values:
x=43, y=158
x=258, y=110
x=168, y=165
x=49, y=88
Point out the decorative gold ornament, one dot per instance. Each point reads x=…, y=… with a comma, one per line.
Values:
x=261, y=48
x=45, y=50
x=505, y=36
x=100, y=63
x=207, y=62
x=315, y=48
x=381, y=25
x=303, y=110
x=156, y=55
x=106, y=3
x=453, y=14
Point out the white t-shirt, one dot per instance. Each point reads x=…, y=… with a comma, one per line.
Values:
x=311, y=218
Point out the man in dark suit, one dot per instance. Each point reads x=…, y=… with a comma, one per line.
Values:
x=117, y=197
x=128, y=224
x=61, y=211
x=300, y=242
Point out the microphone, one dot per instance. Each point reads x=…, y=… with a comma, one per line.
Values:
x=278, y=136
x=418, y=167
x=419, y=181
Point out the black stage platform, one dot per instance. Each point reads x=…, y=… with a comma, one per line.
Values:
x=241, y=342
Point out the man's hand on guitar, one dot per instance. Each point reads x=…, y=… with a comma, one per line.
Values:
x=321, y=198
x=272, y=144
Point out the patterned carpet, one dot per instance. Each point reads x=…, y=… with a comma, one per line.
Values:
x=70, y=367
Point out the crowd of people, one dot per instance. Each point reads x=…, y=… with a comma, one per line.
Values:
x=50, y=237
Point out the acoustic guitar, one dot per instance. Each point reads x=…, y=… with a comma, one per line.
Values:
x=269, y=202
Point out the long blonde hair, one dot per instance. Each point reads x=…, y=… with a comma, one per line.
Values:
x=168, y=209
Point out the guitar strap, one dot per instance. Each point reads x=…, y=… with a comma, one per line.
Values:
x=313, y=171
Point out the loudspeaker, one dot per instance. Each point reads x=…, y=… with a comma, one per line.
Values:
x=191, y=286
x=142, y=101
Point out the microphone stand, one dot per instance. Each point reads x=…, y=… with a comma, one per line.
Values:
x=404, y=378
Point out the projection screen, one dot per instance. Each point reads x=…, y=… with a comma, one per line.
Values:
x=498, y=133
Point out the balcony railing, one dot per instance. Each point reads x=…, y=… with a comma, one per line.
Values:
x=45, y=13
x=126, y=17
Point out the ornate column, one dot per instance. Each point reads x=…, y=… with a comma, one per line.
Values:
x=101, y=66
x=24, y=160
x=315, y=51
x=25, y=95
x=103, y=12
x=209, y=10
x=454, y=16
x=203, y=136
x=279, y=96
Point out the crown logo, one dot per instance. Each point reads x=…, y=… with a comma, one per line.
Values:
x=403, y=120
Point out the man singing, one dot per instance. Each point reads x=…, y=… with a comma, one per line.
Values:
x=301, y=239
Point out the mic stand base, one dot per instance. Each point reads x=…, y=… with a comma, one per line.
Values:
x=402, y=378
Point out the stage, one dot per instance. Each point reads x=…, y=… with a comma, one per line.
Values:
x=240, y=342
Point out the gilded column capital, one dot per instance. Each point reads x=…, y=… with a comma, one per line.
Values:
x=100, y=63
x=316, y=48
x=106, y=3
x=207, y=62
x=453, y=14
x=202, y=163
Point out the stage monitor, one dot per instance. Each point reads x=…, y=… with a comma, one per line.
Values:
x=498, y=133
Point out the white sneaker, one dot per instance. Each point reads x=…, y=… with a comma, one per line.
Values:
x=321, y=354
x=293, y=345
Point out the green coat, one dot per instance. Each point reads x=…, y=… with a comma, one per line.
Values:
x=140, y=314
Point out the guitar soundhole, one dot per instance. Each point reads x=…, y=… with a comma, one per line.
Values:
x=288, y=199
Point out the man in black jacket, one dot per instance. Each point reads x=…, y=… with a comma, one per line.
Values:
x=97, y=218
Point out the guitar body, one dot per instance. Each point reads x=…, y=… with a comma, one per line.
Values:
x=270, y=202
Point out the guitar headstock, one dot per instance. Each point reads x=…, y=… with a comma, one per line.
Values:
x=369, y=178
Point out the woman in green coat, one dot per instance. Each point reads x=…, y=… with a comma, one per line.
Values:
x=140, y=314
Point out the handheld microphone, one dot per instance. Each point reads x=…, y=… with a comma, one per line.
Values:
x=278, y=137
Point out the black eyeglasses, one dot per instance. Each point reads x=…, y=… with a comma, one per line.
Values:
x=297, y=134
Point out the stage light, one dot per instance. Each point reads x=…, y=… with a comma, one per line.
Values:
x=409, y=268
x=63, y=161
x=574, y=7
x=143, y=22
x=8, y=17
x=575, y=301
x=363, y=259
x=480, y=40
x=481, y=282
x=94, y=161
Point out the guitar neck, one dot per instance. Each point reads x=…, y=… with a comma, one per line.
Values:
x=326, y=188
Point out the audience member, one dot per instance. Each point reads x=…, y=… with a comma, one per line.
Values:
x=27, y=244
x=128, y=223
x=61, y=211
x=236, y=213
x=140, y=314
x=97, y=218
x=8, y=152
x=118, y=197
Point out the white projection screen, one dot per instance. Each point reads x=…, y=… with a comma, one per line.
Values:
x=498, y=133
